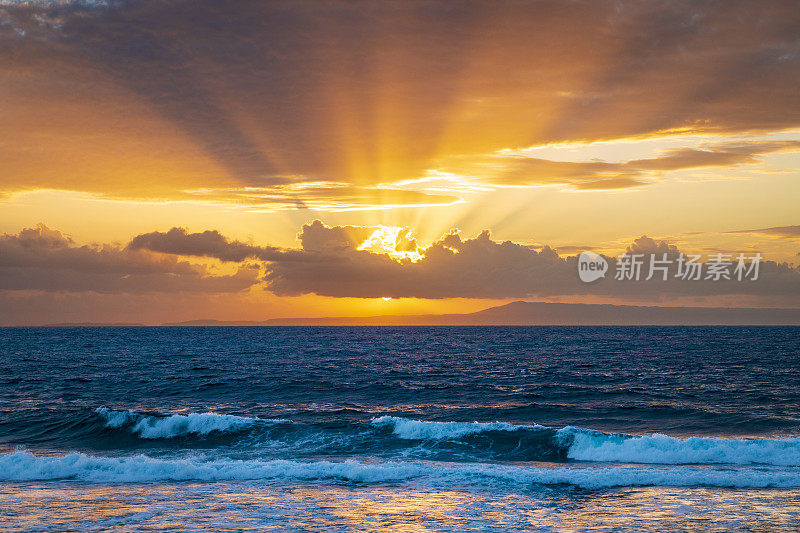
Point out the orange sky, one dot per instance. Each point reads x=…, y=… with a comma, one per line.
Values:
x=580, y=125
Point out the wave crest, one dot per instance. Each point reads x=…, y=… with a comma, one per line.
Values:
x=167, y=427
x=589, y=445
x=408, y=428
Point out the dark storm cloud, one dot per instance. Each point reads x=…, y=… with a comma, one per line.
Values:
x=370, y=92
x=45, y=260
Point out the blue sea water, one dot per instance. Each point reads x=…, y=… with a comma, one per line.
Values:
x=417, y=429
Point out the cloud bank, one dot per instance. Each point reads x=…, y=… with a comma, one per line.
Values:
x=333, y=261
x=47, y=277
x=42, y=259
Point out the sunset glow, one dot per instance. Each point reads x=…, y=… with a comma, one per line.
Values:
x=581, y=129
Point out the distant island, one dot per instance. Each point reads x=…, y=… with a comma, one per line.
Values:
x=94, y=325
x=534, y=314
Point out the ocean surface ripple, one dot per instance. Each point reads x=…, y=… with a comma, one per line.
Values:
x=529, y=413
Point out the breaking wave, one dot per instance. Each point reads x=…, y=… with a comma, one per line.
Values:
x=167, y=427
x=588, y=445
x=389, y=437
x=408, y=428
x=24, y=466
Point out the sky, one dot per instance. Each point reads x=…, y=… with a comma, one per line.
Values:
x=175, y=160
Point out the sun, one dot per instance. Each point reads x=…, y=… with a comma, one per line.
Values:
x=395, y=241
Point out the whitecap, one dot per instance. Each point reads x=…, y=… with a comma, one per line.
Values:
x=166, y=427
x=408, y=428
x=589, y=445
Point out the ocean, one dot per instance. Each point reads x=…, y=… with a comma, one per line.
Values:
x=411, y=429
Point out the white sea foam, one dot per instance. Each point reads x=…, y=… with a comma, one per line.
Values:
x=24, y=466
x=155, y=427
x=408, y=428
x=588, y=445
